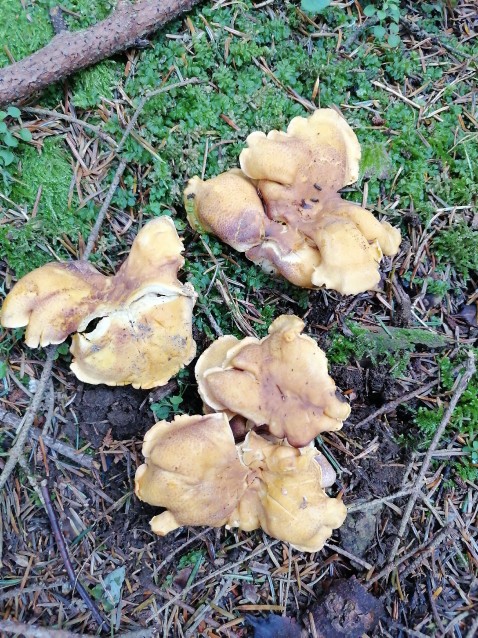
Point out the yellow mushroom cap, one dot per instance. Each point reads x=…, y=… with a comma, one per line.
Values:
x=286, y=498
x=280, y=381
x=193, y=469
x=144, y=330
x=285, y=212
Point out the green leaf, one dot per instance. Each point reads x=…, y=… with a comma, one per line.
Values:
x=25, y=134
x=379, y=32
x=381, y=14
x=393, y=28
x=176, y=401
x=12, y=111
x=9, y=140
x=393, y=40
x=3, y=115
x=369, y=10
x=395, y=13
x=3, y=127
x=109, y=592
x=314, y=6
x=6, y=156
x=3, y=369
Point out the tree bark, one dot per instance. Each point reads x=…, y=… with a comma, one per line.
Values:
x=69, y=52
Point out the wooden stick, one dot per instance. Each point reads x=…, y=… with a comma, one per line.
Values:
x=68, y=52
x=30, y=414
x=60, y=541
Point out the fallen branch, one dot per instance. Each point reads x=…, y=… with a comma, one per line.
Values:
x=60, y=541
x=460, y=388
x=81, y=458
x=69, y=52
x=30, y=414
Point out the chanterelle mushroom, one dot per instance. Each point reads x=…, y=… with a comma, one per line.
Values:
x=280, y=381
x=284, y=211
x=195, y=471
x=143, y=332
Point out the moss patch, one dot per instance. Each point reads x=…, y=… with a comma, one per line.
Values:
x=25, y=246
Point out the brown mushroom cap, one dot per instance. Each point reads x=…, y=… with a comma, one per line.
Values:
x=194, y=470
x=144, y=332
x=280, y=381
x=299, y=226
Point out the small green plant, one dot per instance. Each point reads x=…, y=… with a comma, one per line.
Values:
x=314, y=6
x=388, y=16
x=10, y=136
x=473, y=451
x=166, y=407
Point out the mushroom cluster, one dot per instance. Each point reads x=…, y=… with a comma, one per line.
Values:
x=195, y=469
x=284, y=209
x=132, y=328
x=280, y=381
x=213, y=481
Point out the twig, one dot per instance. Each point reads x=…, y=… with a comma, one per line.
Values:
x=473, y=629
x=210, y=576
x=34, y=631
x=214, y=325
x=357, y=31
x=460, y=388
x=21, y=591
x=30, y=413
x=362, y=507
x=60, y=541
x=391, y=405
x=423, y=35
x=348, y=555
x=433, y=605
x=82, y=459
x=122, y=165
x=101, y=215
x=410, y=632
x=69, y=118
x=423, y=551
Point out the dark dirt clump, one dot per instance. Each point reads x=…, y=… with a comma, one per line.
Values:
x=122, y=411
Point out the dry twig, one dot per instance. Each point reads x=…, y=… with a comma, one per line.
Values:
x=60, y=541
x=460, y=388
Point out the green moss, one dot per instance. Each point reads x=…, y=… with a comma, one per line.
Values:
x=459, y=246
x=23, y=30
x=464, y=420
x=25, y=246
x=392, y=346
x=95, y=83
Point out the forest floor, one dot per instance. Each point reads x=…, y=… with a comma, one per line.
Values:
x=399, y=354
